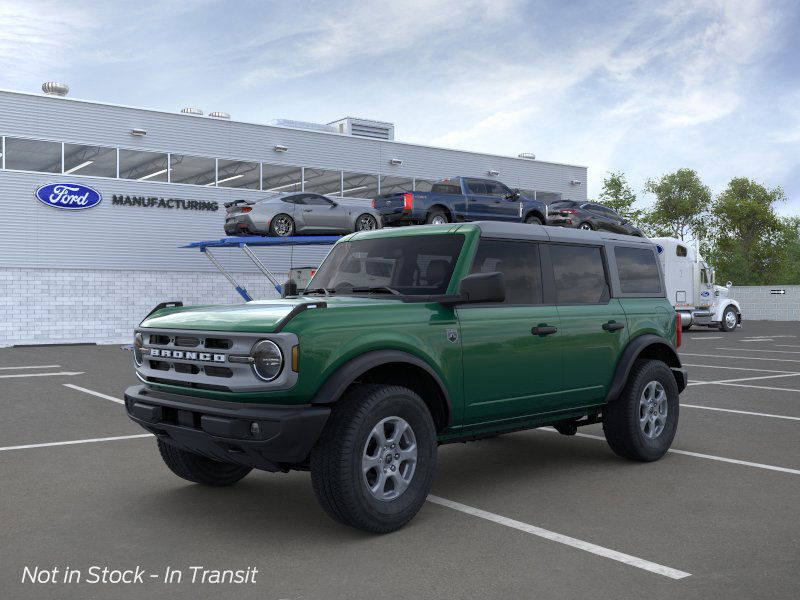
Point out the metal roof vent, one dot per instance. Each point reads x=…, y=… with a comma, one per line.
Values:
x=527, y=155
x=219, y=115
x=377, y=130
x=192, y=111
x=51, y=88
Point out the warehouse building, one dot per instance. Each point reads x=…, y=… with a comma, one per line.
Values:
x=161, y=180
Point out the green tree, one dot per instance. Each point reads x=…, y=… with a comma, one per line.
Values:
x=681, y=205
x=617, y=194
x=750, y=242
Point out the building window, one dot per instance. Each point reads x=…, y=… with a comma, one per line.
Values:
x=279, y=178
x=97, y=161
x=194, y=170
x=359, y=185
x=238, y=174
x=33, y=155
x=423, y=185
x=396, y=185
x=321, y=181
x=144, y=166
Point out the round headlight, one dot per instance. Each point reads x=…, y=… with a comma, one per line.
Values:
x=138, y=342
x=268, y=360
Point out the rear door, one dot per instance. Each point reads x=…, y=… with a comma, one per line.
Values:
x=593, y=325
x=511, y=350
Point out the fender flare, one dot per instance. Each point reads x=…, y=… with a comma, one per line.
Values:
x=632, y=352
x=342, y=377
x=724, y=305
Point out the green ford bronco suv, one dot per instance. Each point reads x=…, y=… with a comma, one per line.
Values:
x=406, y=339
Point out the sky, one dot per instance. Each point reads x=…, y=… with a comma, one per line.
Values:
x=639, y=87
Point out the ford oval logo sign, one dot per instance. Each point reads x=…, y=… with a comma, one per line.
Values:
x=68, y=196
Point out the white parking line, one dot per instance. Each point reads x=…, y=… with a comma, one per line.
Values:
x=562, y=539
x=741, y=357
x=41, y=374
x=739, y=368
x=754, y=350
x=760, y=387
x=71, y=442
x=713, y=337
x=741, y=412
x=31, y=367
x=93, y=393
x=758, y=340
x=787, y=345
x=698, y=455
x=742, y=379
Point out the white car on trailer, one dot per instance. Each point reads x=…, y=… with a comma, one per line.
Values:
x=692, y=290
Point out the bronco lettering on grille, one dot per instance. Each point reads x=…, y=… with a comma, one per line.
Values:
x=201, y=356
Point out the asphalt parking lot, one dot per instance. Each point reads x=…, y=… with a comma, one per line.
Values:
x=527, y=515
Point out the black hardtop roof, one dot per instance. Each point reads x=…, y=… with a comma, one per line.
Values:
x=526, y=231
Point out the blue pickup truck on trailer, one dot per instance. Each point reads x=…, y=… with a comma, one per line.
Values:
x=460, y=199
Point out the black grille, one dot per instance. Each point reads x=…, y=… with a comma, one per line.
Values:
x=218, y=343
x=159, y=340
x=187, y=368
x=188, y=384
x=187, y=342
x=213, y=371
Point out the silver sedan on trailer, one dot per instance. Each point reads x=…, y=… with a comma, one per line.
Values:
x=298, y=213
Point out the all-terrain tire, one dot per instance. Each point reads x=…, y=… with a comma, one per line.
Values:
x=337, y=472
x=622, y=417
x=200, y=469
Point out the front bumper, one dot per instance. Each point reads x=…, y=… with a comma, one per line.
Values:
x=243, y=225
x=560, y=222
x=224, y=430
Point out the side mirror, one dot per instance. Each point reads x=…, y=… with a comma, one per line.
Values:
x=289, y=288
x=482, y=287
x=729, y=285
x=334, y=204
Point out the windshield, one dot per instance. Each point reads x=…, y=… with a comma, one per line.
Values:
x=412, y=265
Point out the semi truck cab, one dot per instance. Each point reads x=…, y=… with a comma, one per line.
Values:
x=692, y=290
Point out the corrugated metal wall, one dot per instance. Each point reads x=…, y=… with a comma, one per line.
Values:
x=124, y=237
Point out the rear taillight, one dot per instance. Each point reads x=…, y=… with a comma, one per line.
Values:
x=569, y=212
x=246, y=209
x=373, y=203
x=408, y=201
x=678, y=330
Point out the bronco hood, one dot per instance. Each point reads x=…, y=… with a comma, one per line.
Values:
x=261, y=316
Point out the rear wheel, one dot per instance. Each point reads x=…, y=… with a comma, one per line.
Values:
x=436, y=216
x=200, y=469
x=533, y=220
x=366, y=222
x=374, y=463
x=641, y=423
x=585, y=226
x=281, y=226
x=729, y=320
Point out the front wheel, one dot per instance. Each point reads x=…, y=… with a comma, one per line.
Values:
x=374, y=463
x=366, y=222
x=729, y=320
x=199, y=469
x=533, y=220
x=641, y=423
x=281, y=226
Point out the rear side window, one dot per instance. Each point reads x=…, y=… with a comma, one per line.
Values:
x=519, y=264
x=579, y=274
x=638, y=271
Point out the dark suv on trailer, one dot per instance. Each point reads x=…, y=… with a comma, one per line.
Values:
x=589, y=215
x=408, y=338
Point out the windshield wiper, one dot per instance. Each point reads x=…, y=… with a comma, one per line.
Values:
x=376, y=290
x=323, y=290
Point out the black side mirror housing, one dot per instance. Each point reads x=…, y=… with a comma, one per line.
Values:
x=289, y=288
x=479, y=288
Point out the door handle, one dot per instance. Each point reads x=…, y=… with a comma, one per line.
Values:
x=612, y=326
x=544, y=330
x=308, y=210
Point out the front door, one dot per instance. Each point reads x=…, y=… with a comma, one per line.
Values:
x=511, y=350
x=593, y=325
x=321, y=214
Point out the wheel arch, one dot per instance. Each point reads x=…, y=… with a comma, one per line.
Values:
x=391, y=367
x=444, y=208
x=535, y=212
x=646, y=346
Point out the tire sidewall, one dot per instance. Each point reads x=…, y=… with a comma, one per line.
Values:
x=415, y=413
x=652, y=449
x=358, y=222
x=274, y=233
x=437, y=213
x=724, y=322
x=533, y=220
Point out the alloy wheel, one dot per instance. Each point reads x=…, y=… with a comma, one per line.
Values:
x=389, y=459
x=653, y=409
x=282, y=226
x=366, y=223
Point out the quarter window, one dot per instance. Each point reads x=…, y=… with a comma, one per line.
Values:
x=638, y=271
x=579, y=274
x=33, y=155
x=519, y=264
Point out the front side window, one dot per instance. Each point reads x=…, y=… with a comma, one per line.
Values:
x=97, y=161
x=476, y=186
x=519, y=264
x=315, y=200
x=33, y=155
x=638, y=271
x=410, y=265
x=495, y=188
x=579, y=274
